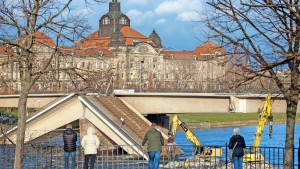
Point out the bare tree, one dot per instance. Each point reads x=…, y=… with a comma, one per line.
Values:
x=21, y=22
x=266, y=33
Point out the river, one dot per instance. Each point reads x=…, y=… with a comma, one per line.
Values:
x=221, y=136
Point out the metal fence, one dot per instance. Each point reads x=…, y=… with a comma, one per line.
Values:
x=116, y=157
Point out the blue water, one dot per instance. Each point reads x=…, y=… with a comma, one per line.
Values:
x=221, y=136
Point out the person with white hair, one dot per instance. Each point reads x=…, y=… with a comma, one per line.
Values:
x=90, y=143
x=237, y=144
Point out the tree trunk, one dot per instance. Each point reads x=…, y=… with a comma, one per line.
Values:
x=292, y=103
x=22, y=112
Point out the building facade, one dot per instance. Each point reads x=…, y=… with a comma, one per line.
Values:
x=118, y=57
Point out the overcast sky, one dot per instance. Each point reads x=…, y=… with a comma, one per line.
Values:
x=173, y=20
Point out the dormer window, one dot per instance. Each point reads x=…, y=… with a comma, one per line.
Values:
x=100, y=53
x=106, y=21
x=123, y=21
x=171, y=56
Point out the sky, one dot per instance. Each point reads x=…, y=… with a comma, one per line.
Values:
x=177, y=22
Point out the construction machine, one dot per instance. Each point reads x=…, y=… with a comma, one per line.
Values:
x=253, y=153
x=198, y=148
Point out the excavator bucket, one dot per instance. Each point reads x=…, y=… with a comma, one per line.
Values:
x=214, y=151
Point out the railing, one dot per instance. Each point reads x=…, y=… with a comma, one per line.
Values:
x=116, y=157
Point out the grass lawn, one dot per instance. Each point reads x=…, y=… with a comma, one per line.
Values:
x=228, y=119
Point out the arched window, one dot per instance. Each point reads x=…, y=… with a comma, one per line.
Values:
x=106, y=21
x=122, y=21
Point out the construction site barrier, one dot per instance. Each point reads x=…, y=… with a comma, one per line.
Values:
x=116, y=157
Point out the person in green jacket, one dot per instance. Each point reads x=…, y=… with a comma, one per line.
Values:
x=155, y=142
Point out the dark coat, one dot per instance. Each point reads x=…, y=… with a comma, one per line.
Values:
x=239, y=148
x=70, y=138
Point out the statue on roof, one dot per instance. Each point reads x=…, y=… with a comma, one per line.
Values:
x=114, y=0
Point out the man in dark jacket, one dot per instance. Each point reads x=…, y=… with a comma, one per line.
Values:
x=155, y=141
x=237, y=143
x=70, y=138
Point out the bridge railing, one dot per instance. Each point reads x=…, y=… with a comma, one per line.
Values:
x=116, y=156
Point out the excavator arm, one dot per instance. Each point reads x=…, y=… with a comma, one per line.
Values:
x=188, y=133
x=253, y=154
x=198, y=148
x=265, y=115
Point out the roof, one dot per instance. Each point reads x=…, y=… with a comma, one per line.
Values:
x=39, y=40
x=209, y=47
x=132, y=35
x=92, y=45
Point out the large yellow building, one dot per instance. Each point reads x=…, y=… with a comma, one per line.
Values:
x=118, y=57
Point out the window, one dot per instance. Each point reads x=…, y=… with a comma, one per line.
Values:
x=106, y=21
x=131, y=75
x=122, y=21
x=154, y=75
x=101, y=65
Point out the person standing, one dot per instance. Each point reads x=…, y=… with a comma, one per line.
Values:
x=90, y=143
x=237, y=143
x=70, y=138
x=154, y=146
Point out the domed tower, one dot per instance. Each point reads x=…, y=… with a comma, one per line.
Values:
x=155, y=38
x=112, y=20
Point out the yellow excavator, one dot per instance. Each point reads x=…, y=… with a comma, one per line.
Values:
x=198, y=150
x=253, y=154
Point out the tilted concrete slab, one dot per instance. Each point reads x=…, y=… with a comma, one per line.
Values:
x=70, y=109
x=98, y=118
